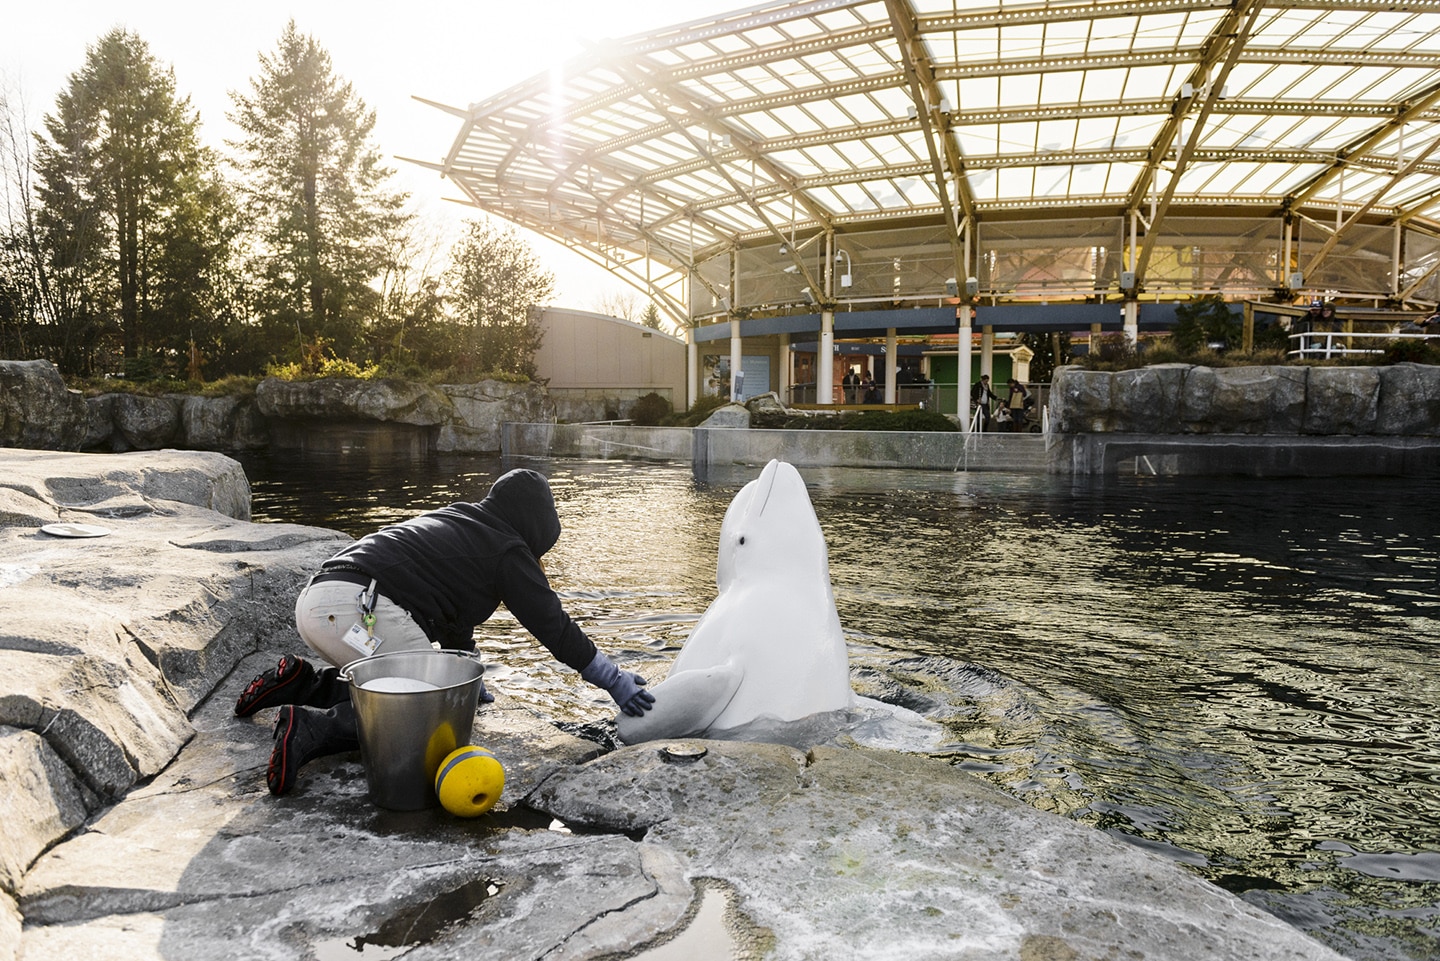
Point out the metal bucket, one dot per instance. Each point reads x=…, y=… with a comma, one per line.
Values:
x=405, y=734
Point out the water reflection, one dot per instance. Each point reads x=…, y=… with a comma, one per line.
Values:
x=1239, y=675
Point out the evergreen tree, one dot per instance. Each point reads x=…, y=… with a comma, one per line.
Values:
x=128, y=205
x=1205, y=321
x=318, y=195
x=651, y=317
x=494, y=286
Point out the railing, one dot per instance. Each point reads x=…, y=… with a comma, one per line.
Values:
x=1328, y=344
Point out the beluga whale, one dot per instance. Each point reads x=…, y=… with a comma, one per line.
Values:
x=770, y=645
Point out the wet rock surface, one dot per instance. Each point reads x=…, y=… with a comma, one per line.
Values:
x=161, y=841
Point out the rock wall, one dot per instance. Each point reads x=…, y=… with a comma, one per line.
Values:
x=1398, y=401
x=108, y=643
x=38, y=412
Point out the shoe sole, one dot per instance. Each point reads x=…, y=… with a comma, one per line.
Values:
x=280, y=779
x=259, y=702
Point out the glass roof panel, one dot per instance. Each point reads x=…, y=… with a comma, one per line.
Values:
x=821, y=93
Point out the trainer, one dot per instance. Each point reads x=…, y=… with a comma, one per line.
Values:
x=424, y=582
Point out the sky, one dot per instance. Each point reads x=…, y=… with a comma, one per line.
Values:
x=454, y=53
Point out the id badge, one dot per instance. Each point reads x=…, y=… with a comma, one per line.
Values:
x=361, y=640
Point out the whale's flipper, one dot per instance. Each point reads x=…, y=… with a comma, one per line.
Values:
x=685, y=704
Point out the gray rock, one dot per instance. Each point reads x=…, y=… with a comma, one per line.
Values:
x=478, y=410
x=10, y=922
x=1080, y=401
x=21, y=509
x=147, y=423
x=1341, y=400
x=729, y=416
x=1147, y=400
x=1409, y=401
x=36, y=410
x=768, y=403
x=938, y=862
x=398, y=401
x=1243, y=400
x=208, y=422
x=99, y=422
x=41, y=798
x=108, y=644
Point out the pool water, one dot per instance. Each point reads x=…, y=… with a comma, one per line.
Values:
x=1240, y=675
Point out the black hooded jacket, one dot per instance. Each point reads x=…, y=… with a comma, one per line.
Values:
x=452, y=567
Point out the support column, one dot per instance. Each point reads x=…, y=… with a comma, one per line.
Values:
x=892, y=364
x=1132, y=321
x=825, y=360
x=692, y=368
x=737, y=375
x=987, y=353
x=962, y=371
x=782, y=382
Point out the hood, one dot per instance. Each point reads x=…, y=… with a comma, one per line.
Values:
x=522, y=499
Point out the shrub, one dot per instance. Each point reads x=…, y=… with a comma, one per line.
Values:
x=695, y=416
x=650, y=410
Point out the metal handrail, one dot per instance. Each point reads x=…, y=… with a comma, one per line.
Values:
x=1321, y=343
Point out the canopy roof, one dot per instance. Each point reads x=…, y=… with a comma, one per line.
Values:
x=873, y=151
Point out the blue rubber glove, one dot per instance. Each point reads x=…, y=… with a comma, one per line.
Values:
x=624, y=687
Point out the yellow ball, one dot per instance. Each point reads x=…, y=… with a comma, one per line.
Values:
x=469, y=782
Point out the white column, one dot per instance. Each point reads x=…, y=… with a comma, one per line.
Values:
x=987, y=352
x=892, y=364
x=782, y=383
x=692, y=368
x=1132, y=320
x=962, y=371
x=825, y=360
x=735, y=354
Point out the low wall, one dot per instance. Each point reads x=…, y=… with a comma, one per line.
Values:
x=596, y=440
x=713, y=447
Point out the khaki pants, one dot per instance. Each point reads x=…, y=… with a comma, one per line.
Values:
x=325, y=612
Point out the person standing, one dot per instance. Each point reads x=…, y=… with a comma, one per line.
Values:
x=1017, y=401
x=851, y=384
x=984, y=400
x=867, y=388
x=425, y=582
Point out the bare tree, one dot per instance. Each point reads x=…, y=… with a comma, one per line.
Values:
x=622, y=304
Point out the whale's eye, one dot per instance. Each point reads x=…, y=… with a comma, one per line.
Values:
x=742, y=538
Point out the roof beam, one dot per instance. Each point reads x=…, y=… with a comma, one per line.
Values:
x=1365, y=146
x=1366, y=207
x=1225, y=43
x=701, y=114
x=946, y=165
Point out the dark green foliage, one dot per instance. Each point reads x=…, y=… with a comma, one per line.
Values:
x=1051, y=349
x=650, y=410
x=1412, y=351
x=1204, y=322
x=317, y=193
x=900, y=420
x=133, y=223
x=494, y=285
x=702, y=408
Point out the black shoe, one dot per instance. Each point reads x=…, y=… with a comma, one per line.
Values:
x=292, y=676
x=305, y=733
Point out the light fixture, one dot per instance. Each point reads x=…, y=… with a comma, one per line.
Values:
x=911, y=112
x=807, y=294
x=791, y=269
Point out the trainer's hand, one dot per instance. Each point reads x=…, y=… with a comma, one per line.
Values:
x=626, y=688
